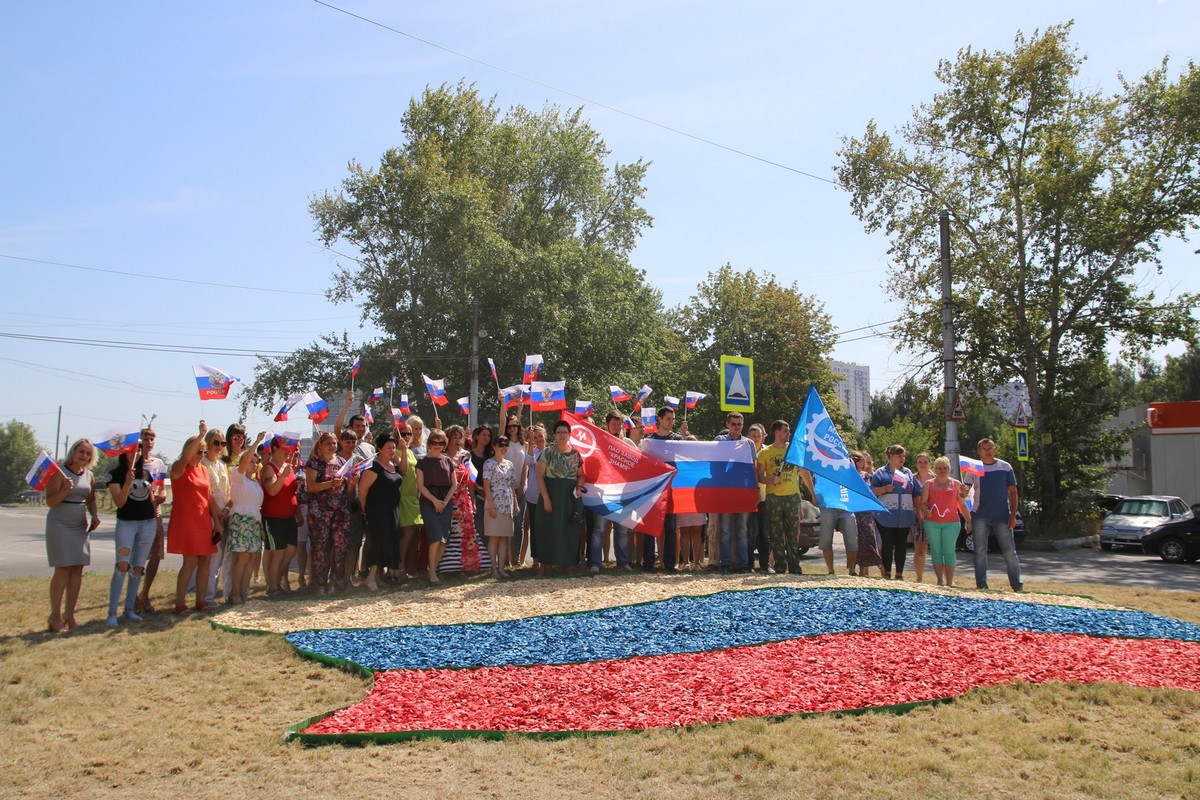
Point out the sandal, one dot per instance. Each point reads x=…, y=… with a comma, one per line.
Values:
x=56, y=627
x=182, y=609
x=70, y=622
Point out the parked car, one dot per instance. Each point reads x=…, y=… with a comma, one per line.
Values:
x=1174, y=542
x=1135, y=517
x=966, y=541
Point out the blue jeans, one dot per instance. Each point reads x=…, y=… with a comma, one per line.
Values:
x=734, y=534
x=596, y=543
x=980, y=528
x=135, y=537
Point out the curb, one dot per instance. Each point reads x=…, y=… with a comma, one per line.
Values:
x=1061, y=544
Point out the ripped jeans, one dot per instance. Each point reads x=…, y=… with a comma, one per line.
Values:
x=134, y=538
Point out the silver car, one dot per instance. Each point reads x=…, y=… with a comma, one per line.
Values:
x=1134, y=517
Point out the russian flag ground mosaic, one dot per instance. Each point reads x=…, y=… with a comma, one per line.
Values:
x=697, y=660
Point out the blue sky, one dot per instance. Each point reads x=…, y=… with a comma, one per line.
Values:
x=185, y=140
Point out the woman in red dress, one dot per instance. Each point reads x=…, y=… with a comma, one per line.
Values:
x=195, y=526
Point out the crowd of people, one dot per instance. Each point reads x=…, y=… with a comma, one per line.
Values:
x=363, y=512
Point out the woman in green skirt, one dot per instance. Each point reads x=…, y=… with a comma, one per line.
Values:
x=559, y=521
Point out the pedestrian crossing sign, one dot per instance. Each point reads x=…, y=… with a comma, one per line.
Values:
x=737, y=383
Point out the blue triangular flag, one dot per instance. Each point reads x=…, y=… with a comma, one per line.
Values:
x=817, y=447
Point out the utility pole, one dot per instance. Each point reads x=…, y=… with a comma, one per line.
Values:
x=474, y=367
x=57, y=433
x=951, y=387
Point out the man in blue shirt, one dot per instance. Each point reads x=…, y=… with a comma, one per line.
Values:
x=995, y=513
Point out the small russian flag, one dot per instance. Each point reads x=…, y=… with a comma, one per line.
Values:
x=212, y=383
x=376, y=395
x=619, y=395
x=969, y=466
x=515, y=396
x=288, y=440
x=900, y=479
x=356, y=367
x=464, y=405
x=671, y=402
x=628, y=423
x=121, y=439
x=42, y=471
x=436, y=389
x=532, y=365
x=398, y=419
x=649, y=420
x=158, y=473
x=405, y=408
x=394, y=379
x=492, y=367
x=549, y=395
x=282, y=414
x=692, y=399
x=367, y=414
x=472, y=471
x=317, y=409
x=642, y=394
x=583, y=408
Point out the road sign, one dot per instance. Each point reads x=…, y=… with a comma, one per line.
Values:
x=958, y=413
x=1022, y=444
x=737, y=383
x=1021, y=417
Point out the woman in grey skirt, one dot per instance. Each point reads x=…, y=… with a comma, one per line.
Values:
x=71, y=496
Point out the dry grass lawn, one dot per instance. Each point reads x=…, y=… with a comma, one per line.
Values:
x=174, y=708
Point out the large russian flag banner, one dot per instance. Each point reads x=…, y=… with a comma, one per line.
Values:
x=41, y=472
x=212, y=383
x=549, y=395
x=710, y=477
x=119, y=439
x=621, y=483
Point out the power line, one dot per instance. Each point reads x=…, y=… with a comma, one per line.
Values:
x=162, y=277
x=157, y=348
x=588, y=100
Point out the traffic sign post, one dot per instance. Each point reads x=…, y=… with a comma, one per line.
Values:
x=737, y=383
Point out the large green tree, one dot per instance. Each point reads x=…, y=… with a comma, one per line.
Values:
x=514, y=223
x=752, y=315
x=18, y=450
x=1058, y=195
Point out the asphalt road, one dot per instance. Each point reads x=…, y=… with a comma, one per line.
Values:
x=23, y=552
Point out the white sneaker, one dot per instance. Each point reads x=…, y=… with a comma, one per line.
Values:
x=112, y=621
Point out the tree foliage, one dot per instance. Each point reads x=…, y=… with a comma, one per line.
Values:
x=1057, y=196
x=514, y=217
x=788, y=334
x=18, y=450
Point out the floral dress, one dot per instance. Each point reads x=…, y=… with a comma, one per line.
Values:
x=464, y=549
x=328, y=523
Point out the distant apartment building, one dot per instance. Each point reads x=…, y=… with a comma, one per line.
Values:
x=852, y=384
